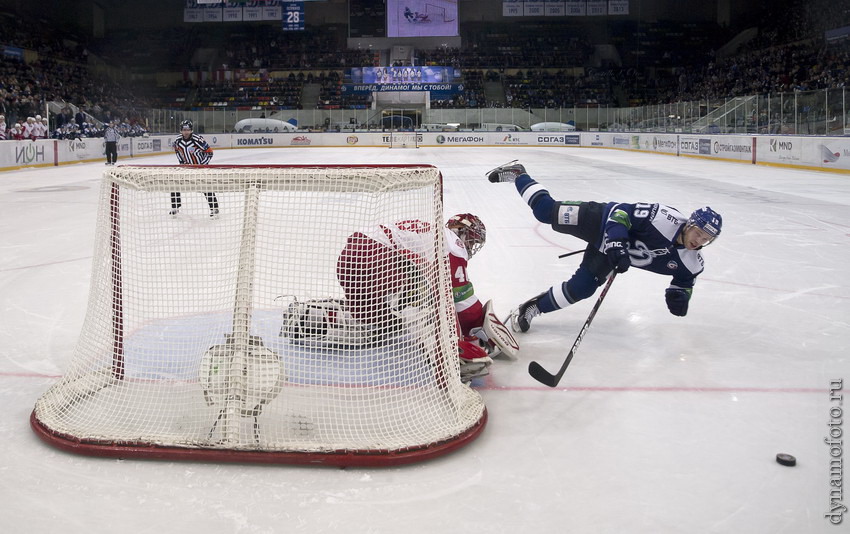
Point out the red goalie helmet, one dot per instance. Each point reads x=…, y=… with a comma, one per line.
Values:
x=470, y=230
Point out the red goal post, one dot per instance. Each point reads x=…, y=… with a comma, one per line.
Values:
x=210, y=338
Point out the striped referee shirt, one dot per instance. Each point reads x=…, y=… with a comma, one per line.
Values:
x=192, y=151
x=111, y=135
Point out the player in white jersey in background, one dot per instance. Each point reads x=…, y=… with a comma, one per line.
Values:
x=649, y=236
x=28, y=129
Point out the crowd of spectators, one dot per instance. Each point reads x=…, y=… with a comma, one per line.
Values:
x=488, y=45
x=263, y=91
x=530, y=64
x=61, y=73
x=27, y=88
x=780, y=69
x=268, y=48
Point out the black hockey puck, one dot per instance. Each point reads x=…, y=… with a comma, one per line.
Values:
x=786, y=459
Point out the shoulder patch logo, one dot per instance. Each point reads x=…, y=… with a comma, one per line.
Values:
x=568, y=215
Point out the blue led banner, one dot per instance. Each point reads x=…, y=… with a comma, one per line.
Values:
x=366, y=88
x=408, y=74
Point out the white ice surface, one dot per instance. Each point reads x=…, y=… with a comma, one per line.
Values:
x=661, y=425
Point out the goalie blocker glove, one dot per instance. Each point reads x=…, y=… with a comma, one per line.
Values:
x=617, y=251
x=677, y=300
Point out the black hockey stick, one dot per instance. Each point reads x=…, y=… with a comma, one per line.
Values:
x=571, y=253
x=545, y=377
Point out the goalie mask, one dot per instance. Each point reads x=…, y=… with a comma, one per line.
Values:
x=470, y=229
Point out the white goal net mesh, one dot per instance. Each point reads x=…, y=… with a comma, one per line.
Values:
x=285, y=326
x=404, y=140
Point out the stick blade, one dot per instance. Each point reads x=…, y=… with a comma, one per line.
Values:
x=540, y=374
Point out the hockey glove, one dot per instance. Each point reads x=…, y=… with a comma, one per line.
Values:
x=677, y=300
x=617, y=251
x=479, y=336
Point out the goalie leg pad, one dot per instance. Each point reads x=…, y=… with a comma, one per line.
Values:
x=499, y=334
x=327, y=323
x=310, y=319
x=474, y=361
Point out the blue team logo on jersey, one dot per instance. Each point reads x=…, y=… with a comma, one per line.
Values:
x=642, y=256
x=672, y=265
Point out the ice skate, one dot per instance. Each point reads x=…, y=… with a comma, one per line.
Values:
x=528, y=310
x=506, y=173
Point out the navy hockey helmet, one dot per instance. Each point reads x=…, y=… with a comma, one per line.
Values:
x=470, y=229
x=186, y=125
x=707, y=220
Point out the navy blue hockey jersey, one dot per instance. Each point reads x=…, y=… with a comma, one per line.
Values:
x=652, y=230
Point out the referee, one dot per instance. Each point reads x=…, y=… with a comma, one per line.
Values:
x=111, y=136
x=192, y=149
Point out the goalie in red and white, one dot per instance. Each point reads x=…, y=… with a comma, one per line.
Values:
x=379, y=270
x=467, y=234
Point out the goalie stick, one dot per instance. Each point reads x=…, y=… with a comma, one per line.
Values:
x=545, y=377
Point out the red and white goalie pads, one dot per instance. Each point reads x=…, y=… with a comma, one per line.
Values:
x=474, y=361
x=499, y=334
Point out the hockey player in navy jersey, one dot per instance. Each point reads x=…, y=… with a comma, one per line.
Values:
x=192, y=149
x=653, y=237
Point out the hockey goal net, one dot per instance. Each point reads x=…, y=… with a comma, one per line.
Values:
x=232, y=339
x=437, y=9
x=404, y=140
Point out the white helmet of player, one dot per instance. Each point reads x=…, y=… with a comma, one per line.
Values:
x=470, y=229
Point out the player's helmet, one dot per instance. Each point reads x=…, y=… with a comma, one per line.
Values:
x=707, y=220
x=186, y=125
x=470, y=229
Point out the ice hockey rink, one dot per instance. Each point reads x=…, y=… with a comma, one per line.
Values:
x=661, y=424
